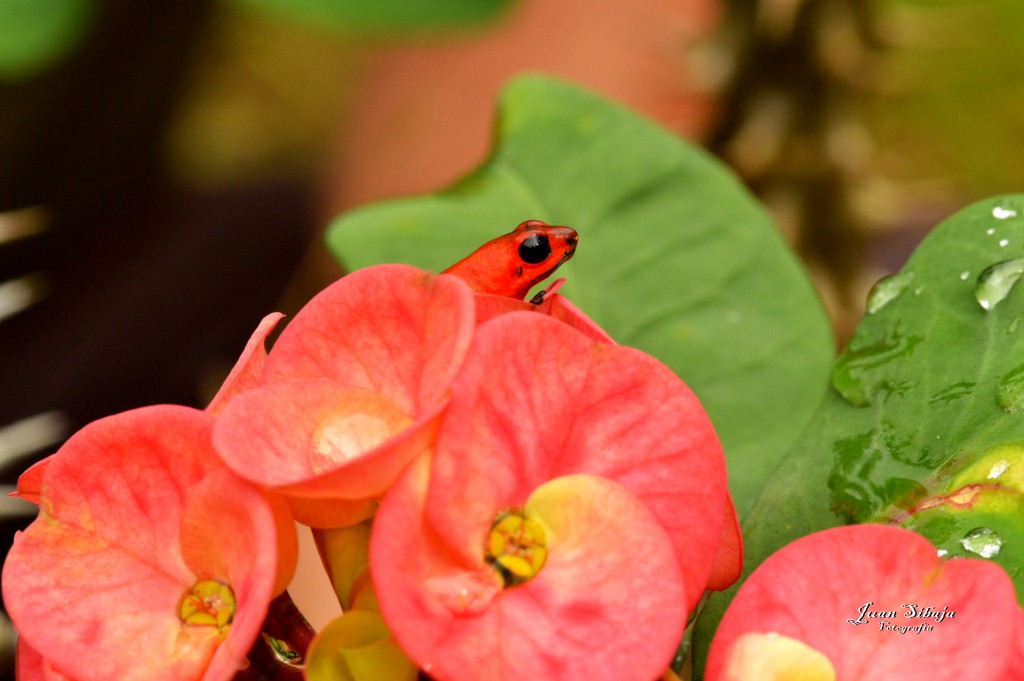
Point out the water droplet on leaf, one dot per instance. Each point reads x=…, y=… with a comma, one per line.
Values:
x=861, y=373
x=998, y=468
x=875, y=470
x=996, y=282
x=982, y=541
x=1002, y=213
x=964, y=275
x=888, y=289
x=1010, y=392
x=1003, y=243
x=952, y=393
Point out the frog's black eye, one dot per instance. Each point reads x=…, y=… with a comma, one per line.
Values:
x=534, y=249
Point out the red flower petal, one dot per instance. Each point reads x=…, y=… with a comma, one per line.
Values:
x=30, y=665
x=391, y=329
x=316, y=439
x=30, y=483
x=352, y=389
x=249, y=367
x=809, y=590
x=729, y=559
x=536, y=400
x=95, y=583
x=608, y=603
x=228, y=529
x=557, y=306
x=331, y=513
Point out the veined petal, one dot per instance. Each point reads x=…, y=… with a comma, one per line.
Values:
x=331, y=513
x=352, y=390
x=537, y=400
x=30, y=665
x=234, y=532
x=390, y=329
x=561, y=308
x=249, y=368
x=610, y=586
x=30, y=482
x=316, y=439
x=729, y=558
x=815, y=589
x=554, y=305
x=96, y=583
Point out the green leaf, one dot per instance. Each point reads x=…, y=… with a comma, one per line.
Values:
x=675, y=258
x=38, y=33
x=924, y=403
x=383, y=15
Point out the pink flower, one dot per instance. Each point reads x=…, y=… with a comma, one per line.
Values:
x=869, y=602
x=567, y=520
x=351, y=391
x=149, y=559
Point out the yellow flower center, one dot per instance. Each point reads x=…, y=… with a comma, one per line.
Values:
x=516, y=547
x=209, y=603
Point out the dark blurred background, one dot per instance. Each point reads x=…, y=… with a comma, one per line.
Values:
x=166, y=169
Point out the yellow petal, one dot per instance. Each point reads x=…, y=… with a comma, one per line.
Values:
x=773, y=657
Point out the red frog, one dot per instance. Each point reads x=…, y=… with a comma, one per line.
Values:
x=513, y=263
